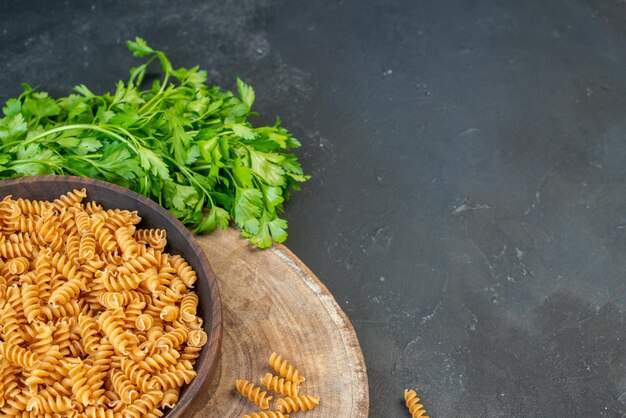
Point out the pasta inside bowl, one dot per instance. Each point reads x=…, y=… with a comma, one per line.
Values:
x=109, y=307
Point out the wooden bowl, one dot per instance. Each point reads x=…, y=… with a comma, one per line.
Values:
x=179, y=241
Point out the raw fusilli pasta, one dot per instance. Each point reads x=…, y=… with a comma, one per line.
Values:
x=284, y=369
x=413, y=404
x=96, y=321
x=253, y=393
x=269, y=414
x=300, y=403
x=280, y=385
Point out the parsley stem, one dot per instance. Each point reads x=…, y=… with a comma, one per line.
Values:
x=158, y=94
x=78, y=126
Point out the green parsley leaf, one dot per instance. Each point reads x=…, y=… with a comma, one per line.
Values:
x=187, y=145
x=246, y=93
x=248, y=209
x=12, y=107
x=12, y=128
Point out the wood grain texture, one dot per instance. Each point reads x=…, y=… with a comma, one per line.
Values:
x=272, y=302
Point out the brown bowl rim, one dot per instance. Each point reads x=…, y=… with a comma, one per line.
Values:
x=207, y=368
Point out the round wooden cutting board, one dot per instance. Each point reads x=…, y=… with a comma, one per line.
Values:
x=273, y=302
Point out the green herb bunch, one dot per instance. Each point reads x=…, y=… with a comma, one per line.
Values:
x=182, y=143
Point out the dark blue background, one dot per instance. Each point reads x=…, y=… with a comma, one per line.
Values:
x=468, y=201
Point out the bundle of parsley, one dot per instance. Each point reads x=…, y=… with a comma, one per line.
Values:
x=188, y=146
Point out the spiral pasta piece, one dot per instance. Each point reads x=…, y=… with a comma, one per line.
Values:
x=195, y=324
x=132, y=312
x=90, y=267
x=197, y=338
x=9, y=385
x=24, y=224
x=413, y=404
x=169, y=313
x=111, y=323
x=170, y=398
x=172, y=339
x=188, y=307
x=87, y=249
x=253, y=393
x=300, y=403
x=112, y=300
x=139, y=264
x=89, y=333
x=11, y=325
x=31, y=302
x=42, y=339
x=78, y=377
x=138, y=376
x=43, y=273
x=68, y=290
x=190, y=353
x=266, y=414
x=123, y=386
x=184, y=270
x=67, y=221
x=127, y=243
x=114, y=281
x=158, y=361
x=16, y=405
x=33, y=207
x=144, y=322
x=155, y=238
x=145, y=405
x=103, y=356
x=69, y=199
x=92, y=207
x=50, y=369
x=280, y=385
x=83, y=222
x=116, y=218
x=101, y=412
x=11, y=215
x=18, y=265
x=64, y=266
x=284, y=369
x=103, y=234
x=10, y=249
x=53, y=312
x=46, y=403
x=48, y=228
x=174, y=376
x=18, y=355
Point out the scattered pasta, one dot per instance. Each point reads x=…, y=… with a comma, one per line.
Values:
x=253, y=393
x=96, y=320
x=280, y=385
x=284, y=369
x=299, y=403
x=264, y=414
x=413, y=404
x=287, y=385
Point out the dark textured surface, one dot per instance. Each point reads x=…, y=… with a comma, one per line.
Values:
x=468, y=205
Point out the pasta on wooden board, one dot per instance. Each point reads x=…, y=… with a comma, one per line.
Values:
x=284, y=369
x=299, y=403
x=264, y=414
x=253, y=393
x=280, y=385
x=96, y=320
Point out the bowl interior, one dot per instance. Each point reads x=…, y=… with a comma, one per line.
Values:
x=179, y=241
